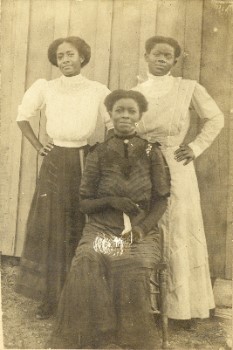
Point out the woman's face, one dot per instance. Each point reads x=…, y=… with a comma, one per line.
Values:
x=68, y=59
x=161, y=59
x=125, y=114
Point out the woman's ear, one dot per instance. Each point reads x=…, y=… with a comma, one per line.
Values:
x=81, y=59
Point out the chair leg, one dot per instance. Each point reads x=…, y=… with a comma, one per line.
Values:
x=163, y=306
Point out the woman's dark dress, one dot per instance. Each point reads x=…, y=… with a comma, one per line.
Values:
x=106, y=298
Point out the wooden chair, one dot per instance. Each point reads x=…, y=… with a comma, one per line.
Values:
x=158, y=282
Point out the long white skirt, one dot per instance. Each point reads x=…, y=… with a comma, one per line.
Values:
x=190, y=292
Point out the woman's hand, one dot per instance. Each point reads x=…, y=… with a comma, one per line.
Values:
x=138, y=234
x=124, y=204
x=184, y=152
x=46, y=149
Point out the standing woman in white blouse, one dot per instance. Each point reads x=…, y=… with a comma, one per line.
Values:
x=167, y=121
x=72, y=104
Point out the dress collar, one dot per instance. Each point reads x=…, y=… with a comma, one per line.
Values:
x=76, y=79
x=158, y=78
x=124, y=137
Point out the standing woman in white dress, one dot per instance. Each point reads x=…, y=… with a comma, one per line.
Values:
x=167, y=122
x=72, y=104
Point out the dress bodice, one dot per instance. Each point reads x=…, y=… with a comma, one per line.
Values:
x=167, y=119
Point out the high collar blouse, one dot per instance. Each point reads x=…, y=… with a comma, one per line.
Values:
x=160, y=85
x=167, y=119
x=72, y=107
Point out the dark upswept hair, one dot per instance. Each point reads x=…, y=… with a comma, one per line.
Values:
x=83, y=48
x=151, y=42
x=116, y=95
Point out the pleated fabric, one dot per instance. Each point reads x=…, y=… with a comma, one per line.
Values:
x=54, y=227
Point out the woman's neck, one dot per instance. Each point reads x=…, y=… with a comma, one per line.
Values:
x=150, y=75
x=124, y=136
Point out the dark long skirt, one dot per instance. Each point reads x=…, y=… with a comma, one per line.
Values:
x=106, y=299
x=54, y=227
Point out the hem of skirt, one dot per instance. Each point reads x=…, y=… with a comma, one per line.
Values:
x=189, y=317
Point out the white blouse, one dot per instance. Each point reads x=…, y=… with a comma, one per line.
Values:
x=72, y=106
x=157, y=88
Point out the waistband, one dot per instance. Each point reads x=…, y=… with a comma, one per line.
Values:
x=70, y=144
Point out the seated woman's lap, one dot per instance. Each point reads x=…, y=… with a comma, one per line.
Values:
x=144, y=254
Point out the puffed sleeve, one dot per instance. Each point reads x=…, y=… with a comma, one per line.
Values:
x=160, y=174
x=207, y=109
x=33, y=101
x=102, y=109
x=91, y=176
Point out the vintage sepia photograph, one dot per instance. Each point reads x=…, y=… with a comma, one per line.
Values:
x=117, y=174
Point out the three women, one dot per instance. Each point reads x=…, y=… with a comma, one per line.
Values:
x=99, y=300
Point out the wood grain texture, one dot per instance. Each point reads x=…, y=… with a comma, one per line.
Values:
x=20, y=43
x=7, y=77
x=212, y=166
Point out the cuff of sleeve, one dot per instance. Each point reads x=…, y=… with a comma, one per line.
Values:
x=196, y=149
x=21, y=118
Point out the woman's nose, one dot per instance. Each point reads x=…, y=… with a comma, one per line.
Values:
x=162, y=60
x=65, y=58
x=125, y=114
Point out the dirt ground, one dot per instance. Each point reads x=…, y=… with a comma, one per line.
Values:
x=21, y=330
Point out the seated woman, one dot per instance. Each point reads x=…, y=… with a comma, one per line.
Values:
x=106, y=299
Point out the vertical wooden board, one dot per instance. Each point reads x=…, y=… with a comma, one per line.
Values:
x=193, y=39
x=147, y=29
x=102, y=57
x=83, y=20
x=103, y=41
x=116, y=48
x=171, y=22
x=21, y=15
x=229, y=236
x=215, y=77
x=129, y=57
x=125, y=44
x=38, y=66
x=7, y=54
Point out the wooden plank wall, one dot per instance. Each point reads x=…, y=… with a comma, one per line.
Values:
x=116, y=31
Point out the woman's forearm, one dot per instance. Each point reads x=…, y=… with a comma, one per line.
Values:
x=27, y=131
x=154, y=215
x=91, y=206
